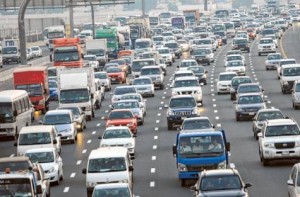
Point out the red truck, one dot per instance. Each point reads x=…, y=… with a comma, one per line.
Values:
x=67, y=52
x=35, y=81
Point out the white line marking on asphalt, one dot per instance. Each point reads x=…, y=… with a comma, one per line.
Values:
x=156, y=129
x=106, y=111
x=217, y=118
x=163, y=97
x=94, y=132
x=168, y=84
x=78, y=162
x=253, y=72
x=66, y=189
x=219, y=125
x=155, y=137
x=89, y=141
x=255, y=79
x=162, y=102
x=98, y=125
x=102, y=118
x=211, y=78
x=73, y=175
x=157, y=121
x=214, y=100
x=269, y=102
x=213, y=94
x=152, y=170
x=160, y=108
x=214, y=105
x=153, y=158
x=215, y=111
x=212, y=85
x=167, y=88
x=84, y=151
x=266, y=96
x=152, y=184
x=154, y=147
x=159, y=114
x=165, y=92
x=212, y=90
x=254, y=75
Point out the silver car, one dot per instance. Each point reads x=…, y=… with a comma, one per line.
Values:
x=138, y=97
x=144, y=86
x=104, y=80
x=79, y=117
x=293, y=181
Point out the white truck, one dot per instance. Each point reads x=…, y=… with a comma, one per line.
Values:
x=54, y=32
x=10, y=51
x=97, y=47
x=77, y=88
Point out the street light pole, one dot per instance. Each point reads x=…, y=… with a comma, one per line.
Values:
x=71, y=18
x=93, y=18
x=22, y=34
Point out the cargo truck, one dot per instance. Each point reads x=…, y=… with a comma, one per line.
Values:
x=191, y=161
x=35, y=81
x=10, y=51
x=76, y=87
x=192, y=17
x=67, y=52
x=52, y=33
x=178, y=22
x=97, y=47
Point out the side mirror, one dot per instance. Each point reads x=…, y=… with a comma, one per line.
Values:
x=54, y=141
x=174, y=149
x=111, y=107
x=193, y=188
x=15, y=143
x=50, y=58
x=84, y=171
x=100, y=137
x=227, y=146
x=130, y=168
x=290, y=182
x=248, y=185
x=40, y=122
x=259, y=134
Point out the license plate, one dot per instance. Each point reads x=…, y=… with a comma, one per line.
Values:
x=285, y=152
x=251, y=113
x=113, y=79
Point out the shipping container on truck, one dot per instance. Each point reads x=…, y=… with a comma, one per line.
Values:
x=35, y=81
x=67, y=52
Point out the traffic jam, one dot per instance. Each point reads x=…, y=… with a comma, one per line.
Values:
x=109, y=87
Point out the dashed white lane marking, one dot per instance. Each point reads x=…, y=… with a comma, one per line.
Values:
x=156, y=129
x=215, y=111
x=217, y=118
x=163, y=97
x=153, y=158
x=154, y=147
x=157, y=121
x=218, y=125
x=78, y=162
x=159, y=114
x=160, y=108
x=66, y=189
x=84, y=151
x=73, y=175
x=98, y=125
x=255, y=79
x=106, y=111
x=152, y=184
x=153, y=170
x=89, y=141
x=214, y=100
x=254, y=75
x=212, y=90
x=212, y=85
x=214, y=105
x=167, y=88
x=12, y=155
x=155, y=137
x=165, y=92
x=269, y=102
x=162, y=102
x=94, y=132
x=213, y=94
x=102, y=118
x=253, y=72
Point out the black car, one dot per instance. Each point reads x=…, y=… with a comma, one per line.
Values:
x=174, y=48
x=240, y=44
x=200, y=55
x=223, y=36
x=235, y=82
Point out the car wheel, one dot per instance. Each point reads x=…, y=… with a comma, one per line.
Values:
x=58, y=178
x=162, y=86
x=265, y=161
x=89, y=118
x=93, y=114
x=73, y=141
x=182, y=182
x=237, y=117
x=170, y=126
x=259, y=54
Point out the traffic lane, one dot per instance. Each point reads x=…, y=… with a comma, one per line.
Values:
x=290, y=42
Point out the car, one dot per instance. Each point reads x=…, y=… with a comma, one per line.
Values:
x=237, y=66
x=120, y=90
x=289, y=74
x=220, y=182
x=115, y=189
x=122, y=117
x=174, y=48
x=91, y=61
x=284, y=62
x=79, y=116
x=184, y=45
x=64, y=122
x=203, y=56
x=272, y=61
x=50, y=161
x=235, y=82
x=263, y=115
x=105, y=80
x=120, y=136
x=37, y=51
x=293, y=180
x=181, y=107
x=224, y=82
x=53, y=90
x=185, y=63
x=188, y=86
x=247, y=105
x=144, y=86
x=241, y=44
x=249, y=88
x=133, y=105
x=166, y=54
x=29, y=54
x=279, y=140
x=234, y=52
x=156, y=74
x=116, y=75
x=274, y=38
x=266, y=45
x=296, y=94
x=235, y=57
x=251, y=33
x=138, y=97
x=122, y=64
x=197, y=124
x=200, y=73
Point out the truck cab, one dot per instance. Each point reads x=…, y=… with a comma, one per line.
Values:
x=197, y=151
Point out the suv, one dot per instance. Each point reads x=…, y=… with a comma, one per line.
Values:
x=272, y=61
x=296, y=94
x=235, y=82
x=279, y=139
x=240, y=44
x=179, y=108
x=203, y=55
x=166, y=54
x=289, y=74
x=224, y=81
x=266, y=45
x=155, y=73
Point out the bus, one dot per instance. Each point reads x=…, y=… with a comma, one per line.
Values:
x=16, y=112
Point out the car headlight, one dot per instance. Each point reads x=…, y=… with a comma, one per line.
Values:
x=260, y=47
x=222, y=165
x=297, y=144
x=199, y=92
x=51, y=169
x=181, y=167
x=195, y=111
x=91, y=184
x=239, y=109
x=128, y=145
x=269, y=145
x=170, y=113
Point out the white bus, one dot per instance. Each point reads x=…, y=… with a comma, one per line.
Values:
x=16, y=112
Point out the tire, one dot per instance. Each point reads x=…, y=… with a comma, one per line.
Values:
x=265, y=162
x=259, y=54
x=142, y=123
x=72, y=141
x=162, y=86
x=93, y=114
x=98, y=104
x=182, y=182
x=237, y=117
x=89, y=118
x=170, y=126
x=58, y=179
x=152, y=95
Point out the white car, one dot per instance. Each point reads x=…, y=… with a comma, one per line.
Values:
x=91, y=61
x=37, y=51
x=167, y=55
x=79, y=117
x=184, y=45
x=236, y=66
x=104, y=80
x=187, y=63
x=234, y=57
x=224, y=81
x=118, y=136
x=274, y=38
x=144, y=86
x=50, y=161
x=266, y=45
x=138, y=97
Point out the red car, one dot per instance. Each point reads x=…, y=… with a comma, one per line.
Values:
x=116, y=74
x=122, y=117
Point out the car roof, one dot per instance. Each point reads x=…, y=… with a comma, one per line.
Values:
x=285, y=121
x=251, y=94
x=220, y=172
x=269, y=110
x=58, y=111
x=182, y=96
x=116, y=127
x=186, y=78
x=290, y=65
x=14, y=159
x=108, y=152
x=37, y=129
x=227, y=73
x=111, y=186
x=40, y=150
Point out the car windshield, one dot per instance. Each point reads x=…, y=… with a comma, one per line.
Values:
x=186, y=83
x=114, y=70
x=126, y=105
x=56, y=119
x=281, y=130
x=293, y=71
x=188, y=64
x=34, y=138
x=15, y=165
x=297, y=87
x=196, y=124
x=236, y=82
x=235, y=57
x=171, y=45
x=221, y=182
x=52, y=84
x=141, y=82
x=240, y=41
x=41, y=157
x=142, y=44
x=100, y=75
x=250, y=88
x=75, y=110
x=269, y=115
x=196, y=69
x=114, y=115
x=204, y=146
x=182, y=102
x=129, y=97
x=235, y=63
x=90, y=58
x=285, y=62
x=159, y=38
x=116, y=133
x=150, y=71
x=112, y=192
x=74, y=96
x=274, y=57
x=122, y=90
x=163, y=51
x=226, y=77
x=103, y=165
x=32, y=89
x=250, y=99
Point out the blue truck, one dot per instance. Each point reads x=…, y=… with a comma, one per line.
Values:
x=196, y=151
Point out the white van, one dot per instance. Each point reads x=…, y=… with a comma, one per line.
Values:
x=16, y=112
x=40, y=136
x=108, y=165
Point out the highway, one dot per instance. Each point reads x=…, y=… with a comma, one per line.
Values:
x=155, y=172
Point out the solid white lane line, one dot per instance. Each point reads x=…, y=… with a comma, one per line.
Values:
x=78, y=162
x=66, y=189
x=73, y=175
x=152, y=170
x=153, y=158
x=84, y=151
x=89, y=141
